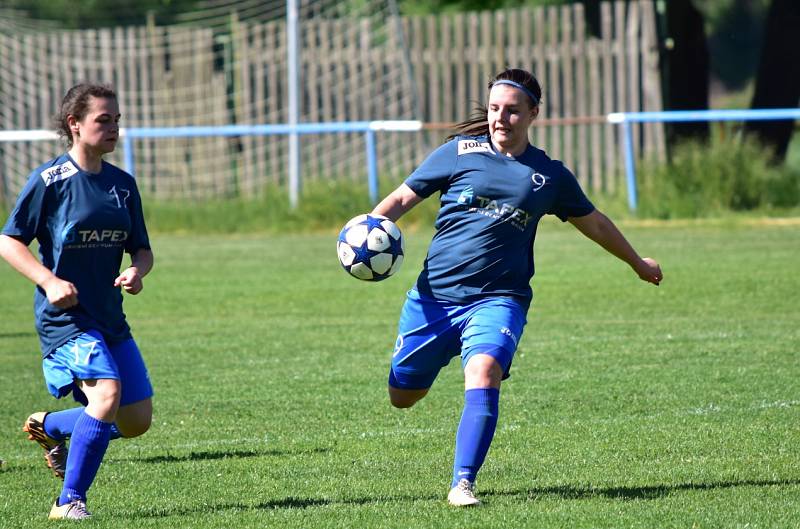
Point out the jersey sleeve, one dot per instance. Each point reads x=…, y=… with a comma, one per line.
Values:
x=571, y=200
x=434, y=172
x=138, y=238
x=27, y=216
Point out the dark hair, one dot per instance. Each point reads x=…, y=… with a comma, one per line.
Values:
x=477, y=124
x=76, y=103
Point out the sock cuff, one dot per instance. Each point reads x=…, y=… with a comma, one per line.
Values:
x=94, y=427
x=482, y=396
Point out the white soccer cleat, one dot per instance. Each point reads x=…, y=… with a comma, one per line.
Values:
x=74, y=510
x=463, y=494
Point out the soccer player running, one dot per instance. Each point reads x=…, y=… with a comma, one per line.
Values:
x=84, y=213
x=473, y=293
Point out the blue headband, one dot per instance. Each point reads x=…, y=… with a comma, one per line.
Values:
x=522, y=87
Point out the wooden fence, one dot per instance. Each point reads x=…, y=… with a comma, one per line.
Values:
x=351, y=70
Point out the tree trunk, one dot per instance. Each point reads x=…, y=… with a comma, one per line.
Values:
x=687, y=69
x=778, y=81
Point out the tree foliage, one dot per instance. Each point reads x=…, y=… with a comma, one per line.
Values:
x=419, y=7
x=84, y=14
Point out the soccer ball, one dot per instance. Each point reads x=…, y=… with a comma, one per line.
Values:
x=370, y=247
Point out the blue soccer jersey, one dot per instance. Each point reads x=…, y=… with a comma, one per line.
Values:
x=490, y=207
x=83, y=223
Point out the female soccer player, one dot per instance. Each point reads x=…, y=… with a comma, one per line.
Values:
x=473, y=293
x=84, y=213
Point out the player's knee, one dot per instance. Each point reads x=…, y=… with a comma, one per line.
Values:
x=402, y=402
x=134, y=419
x=403, y=398
x=103, y=396
x=482, y=371
x=134, y=428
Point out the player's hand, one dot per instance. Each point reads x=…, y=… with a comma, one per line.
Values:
x=130, y=280
x=60, y=293
x=649, y=271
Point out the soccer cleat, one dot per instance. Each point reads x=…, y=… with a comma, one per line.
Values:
x=55, y=452
x=463, y=494
x=74, y=510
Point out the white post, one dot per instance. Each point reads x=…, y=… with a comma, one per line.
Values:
x=293, y=86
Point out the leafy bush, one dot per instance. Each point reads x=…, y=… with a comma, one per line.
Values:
x=708, y=179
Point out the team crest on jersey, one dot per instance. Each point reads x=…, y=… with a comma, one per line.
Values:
x=539, y=180
x=58, y=172
x=470, y=146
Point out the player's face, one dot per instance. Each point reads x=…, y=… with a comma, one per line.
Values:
x=99, y=128
x=510, y=115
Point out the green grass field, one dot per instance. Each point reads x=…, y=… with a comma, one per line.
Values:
x=629, y=405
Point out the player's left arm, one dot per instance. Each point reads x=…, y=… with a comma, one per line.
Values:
x=602, y=230
x=130, y=279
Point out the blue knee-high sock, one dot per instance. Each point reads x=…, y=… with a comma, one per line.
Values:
x=59, y=424
x=475, y=432
x=88, y=446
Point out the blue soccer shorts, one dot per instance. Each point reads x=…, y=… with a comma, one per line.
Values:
x=88, y=357
x=431, y=332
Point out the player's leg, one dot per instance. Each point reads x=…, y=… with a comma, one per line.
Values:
x=490, y=335
x=90, y=438
x=426, y=341
x=51, y=430
x=404, y=398
x=482, y=377
x=136, y=405
x=125, y=399
x=84, y=365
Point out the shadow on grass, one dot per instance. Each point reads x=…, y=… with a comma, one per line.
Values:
x=17, y=334
x=169, y=458
x=290, y=502
x=566, y=492
x=285, y=503
x=220, y=454
x=634, y=493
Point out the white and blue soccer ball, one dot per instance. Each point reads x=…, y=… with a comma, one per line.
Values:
x=370, y=247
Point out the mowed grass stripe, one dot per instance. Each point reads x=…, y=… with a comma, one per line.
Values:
x=628, y=406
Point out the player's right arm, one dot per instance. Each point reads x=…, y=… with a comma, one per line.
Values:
x=397, y=203
x=60, y=293
x=432, y=175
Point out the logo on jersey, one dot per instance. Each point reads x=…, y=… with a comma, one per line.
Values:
x=466, y=196
x=398, y=345
x=539, y=180
x=470, y=146
x=507, y=332
x=120, y=196
x=75, y=238
x=517, y=217
x=58, y=172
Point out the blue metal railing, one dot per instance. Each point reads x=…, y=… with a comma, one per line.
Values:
x=624, y=119
x=369, y=128
x=128, y=135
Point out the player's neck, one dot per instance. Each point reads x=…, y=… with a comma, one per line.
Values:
x=511, y=150
x=86, y=159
